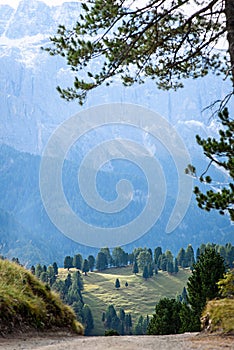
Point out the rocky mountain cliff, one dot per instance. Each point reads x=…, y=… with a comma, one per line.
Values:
x=31, y=110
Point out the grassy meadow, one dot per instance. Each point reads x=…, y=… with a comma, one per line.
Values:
x=139, y=298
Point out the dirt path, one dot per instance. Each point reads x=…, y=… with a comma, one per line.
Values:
x=68, y=342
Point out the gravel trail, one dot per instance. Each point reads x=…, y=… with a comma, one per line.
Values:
x=70, y=342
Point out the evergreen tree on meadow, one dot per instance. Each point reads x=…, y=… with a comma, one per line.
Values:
x=117, y=283
x=141, y=325
x=162, y=262
x=176, y=268
x=68, y=262
x=170, y=267
x=122, y=314
x=74, y=291
x=112, y=321
x=55, y=267
x=78, y=309
x=181, y=258
x=85, y=267
x=77, y=261
x=44, y=277
x=131, y=258
x=88, y=319
x=119, y=257
x=91, y=261
x=38, y=270
x=189, y=255
x=157, y=253
x=67, y=282
x=108, y=255
x=202, y=284
x=198, y=253
x=51, y=275
x=144, y=258
x=101, y=261
x=135, y=269
x=145, y=273
x=151, y=270
x=128, y=323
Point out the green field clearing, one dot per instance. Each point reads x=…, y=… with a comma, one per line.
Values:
x=138, y=298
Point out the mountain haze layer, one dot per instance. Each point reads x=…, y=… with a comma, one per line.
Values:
x=31, y=110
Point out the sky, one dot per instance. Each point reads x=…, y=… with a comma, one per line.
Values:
x=14, y=3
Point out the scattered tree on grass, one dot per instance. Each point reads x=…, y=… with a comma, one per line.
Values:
x=144, y=258
x=117, y=283
x=101, y=262
x=119, y=257
x=68, y=282
x=91, y=261
x=68, y=262
x=176, y=268
x=122, y=315
x=157, y=253
x=55, y=267
x=135, y=267
x=51, y=275
x=87, y=319
x=189, y=254
x=181, y=258
x=77, y=261
x=38, y=270
x=145, y=273
x=85, y=267
x=107, y=253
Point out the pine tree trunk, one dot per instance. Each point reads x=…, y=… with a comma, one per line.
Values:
x=229, y=12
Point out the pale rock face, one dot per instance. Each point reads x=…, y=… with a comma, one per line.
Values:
x=30, y=105
x=31, y=110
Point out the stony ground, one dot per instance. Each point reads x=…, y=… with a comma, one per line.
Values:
x=62, y=341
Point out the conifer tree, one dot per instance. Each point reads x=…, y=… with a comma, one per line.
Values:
x=88, y=319
x=101, y=261
x=77, y=261
x=85, y=267
x=117, y=283
x=221, y=153
x=135, y=269
x=68, y=262
x=145, y=273
x=202, y=284
x=157, y=253
x=156, y=39
x=55, y=267
x=91, y=261
x=176, y=268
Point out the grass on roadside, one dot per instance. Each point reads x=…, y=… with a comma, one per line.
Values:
x=220, y=313
x=27, y=303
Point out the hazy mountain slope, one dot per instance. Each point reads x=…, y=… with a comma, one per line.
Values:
x=31, y=110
